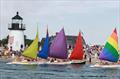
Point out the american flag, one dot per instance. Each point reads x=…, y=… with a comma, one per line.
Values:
x=11, y=39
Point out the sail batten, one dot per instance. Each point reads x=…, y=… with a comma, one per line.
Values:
x=110, y=51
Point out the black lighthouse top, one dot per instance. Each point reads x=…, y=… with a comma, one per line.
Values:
x=17, y=23
x=17, y=16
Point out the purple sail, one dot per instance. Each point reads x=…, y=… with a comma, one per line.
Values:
x=58, y=48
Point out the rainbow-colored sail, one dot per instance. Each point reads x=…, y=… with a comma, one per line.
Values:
x=110, y=51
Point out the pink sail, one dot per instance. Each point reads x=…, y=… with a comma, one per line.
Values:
x=58, y=48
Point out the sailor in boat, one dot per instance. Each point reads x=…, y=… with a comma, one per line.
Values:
x=53, y=60
x=41, y=60
x=6, y=53
x=17, y=57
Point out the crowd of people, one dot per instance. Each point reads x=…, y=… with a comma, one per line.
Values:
x=92, y=52
x=5, y=52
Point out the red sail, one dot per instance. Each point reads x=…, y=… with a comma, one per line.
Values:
x=77, y=53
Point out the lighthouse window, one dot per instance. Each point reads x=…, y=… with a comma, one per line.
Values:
x=15, y=26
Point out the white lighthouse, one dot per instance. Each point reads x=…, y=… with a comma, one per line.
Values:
x=16, y=40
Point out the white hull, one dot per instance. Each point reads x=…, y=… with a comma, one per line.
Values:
x=49, y=63
x=105, y=66
x=27, y=63
x=40, y=63
x=58, y=63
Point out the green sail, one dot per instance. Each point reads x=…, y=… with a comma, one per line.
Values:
x=32, y=50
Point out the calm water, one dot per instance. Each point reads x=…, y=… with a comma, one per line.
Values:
x=56, y=72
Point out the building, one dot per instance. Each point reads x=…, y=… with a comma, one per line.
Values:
x=16, y=41
x=71, y=41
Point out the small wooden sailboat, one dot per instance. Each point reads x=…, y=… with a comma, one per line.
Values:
x=110, y=51
x=58, y=48
x=45, y=49
x=30, y=52
x=77, y=55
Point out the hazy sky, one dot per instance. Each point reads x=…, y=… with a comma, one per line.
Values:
x=95, y=18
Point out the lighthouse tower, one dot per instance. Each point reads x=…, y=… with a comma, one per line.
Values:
x=16, y=40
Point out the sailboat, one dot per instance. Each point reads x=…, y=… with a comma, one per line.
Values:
x=110, y=51
x=77, y=55
x=45, y=49
x=58, y=48
x=30, y=52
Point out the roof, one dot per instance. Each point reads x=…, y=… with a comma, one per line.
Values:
x=70, y=39
x=17, y=16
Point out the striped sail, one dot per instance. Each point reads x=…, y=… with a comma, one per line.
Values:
x=110, y=51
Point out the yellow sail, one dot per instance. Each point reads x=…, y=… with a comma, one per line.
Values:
x=32, y=50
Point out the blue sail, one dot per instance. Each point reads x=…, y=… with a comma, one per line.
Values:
x=45, y=49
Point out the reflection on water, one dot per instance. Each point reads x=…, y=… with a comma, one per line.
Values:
x=56, y=72
x=30, y=67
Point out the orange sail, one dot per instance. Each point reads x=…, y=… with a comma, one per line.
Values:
x=77, y=53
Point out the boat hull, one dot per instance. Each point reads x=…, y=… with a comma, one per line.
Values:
x=40, y=63
x=26, y=63
x=49, y=63
x=58, y=63
x=78, y=61
x=105, y=66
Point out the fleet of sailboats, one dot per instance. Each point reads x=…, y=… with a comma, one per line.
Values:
x=58, y=50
